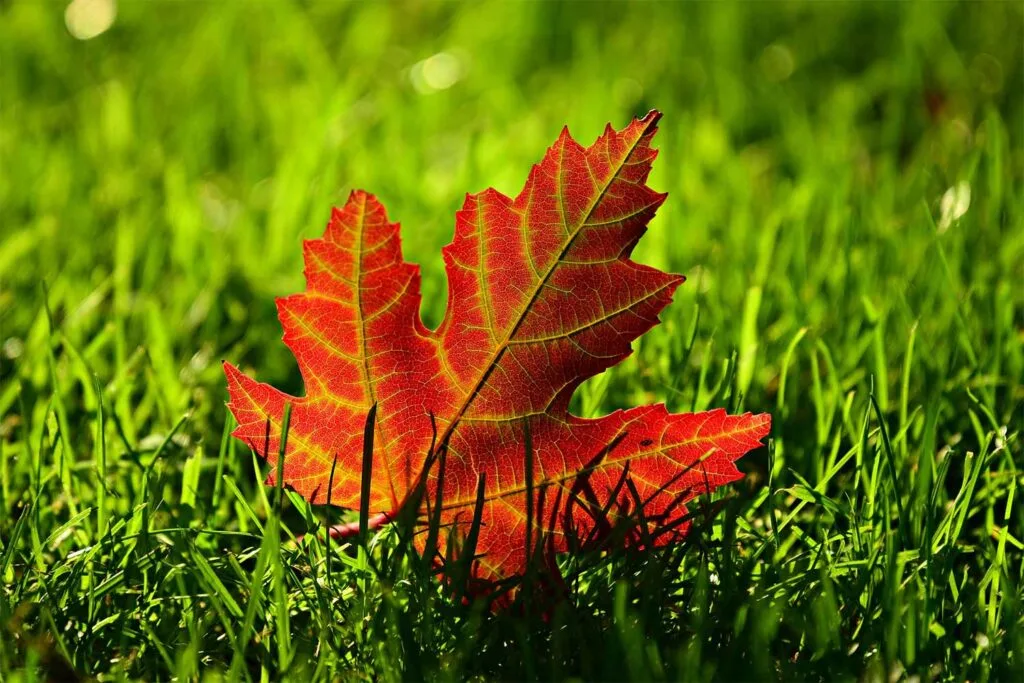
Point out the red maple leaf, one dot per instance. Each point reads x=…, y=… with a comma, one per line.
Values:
x=542, y=295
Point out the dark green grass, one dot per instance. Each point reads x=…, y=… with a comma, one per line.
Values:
x=156, y=182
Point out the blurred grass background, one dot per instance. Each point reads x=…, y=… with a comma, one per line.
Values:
x=845, y=196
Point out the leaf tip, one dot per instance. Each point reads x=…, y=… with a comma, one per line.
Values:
x=229, y=369
x=651, y=117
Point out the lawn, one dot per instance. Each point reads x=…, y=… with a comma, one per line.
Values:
x=846, y=199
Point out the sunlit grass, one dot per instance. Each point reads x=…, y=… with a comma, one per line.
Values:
x=845, y=198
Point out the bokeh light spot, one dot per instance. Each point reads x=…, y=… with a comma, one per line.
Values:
x=777, y=62
x=954, y=205
x=87, y=19
x=437, y=72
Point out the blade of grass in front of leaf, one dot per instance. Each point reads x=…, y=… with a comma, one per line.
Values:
x=327, y=538
x=277, y=569
x=367, y=473
x=432, y=553
x=467, y=553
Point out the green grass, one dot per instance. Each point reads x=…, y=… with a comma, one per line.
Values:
x=156, y=182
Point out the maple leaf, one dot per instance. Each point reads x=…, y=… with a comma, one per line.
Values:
x=542, y=295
